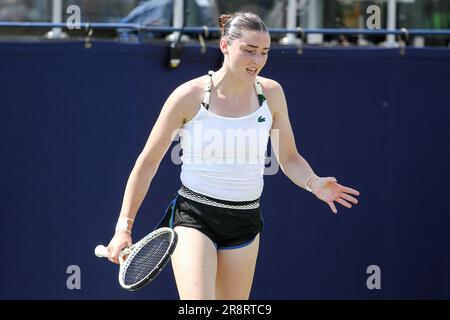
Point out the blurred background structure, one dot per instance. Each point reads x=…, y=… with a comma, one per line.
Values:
x=410, y=14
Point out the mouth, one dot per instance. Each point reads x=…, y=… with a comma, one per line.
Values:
x=251, y=70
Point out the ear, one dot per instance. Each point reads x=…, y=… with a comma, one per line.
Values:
x=223, y=45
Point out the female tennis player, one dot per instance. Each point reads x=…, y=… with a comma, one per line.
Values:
x=216, y=212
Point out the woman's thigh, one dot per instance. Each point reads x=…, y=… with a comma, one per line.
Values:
x=194, y=263
x=235, y=270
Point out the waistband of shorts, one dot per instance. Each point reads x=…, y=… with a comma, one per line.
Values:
x=195, y=196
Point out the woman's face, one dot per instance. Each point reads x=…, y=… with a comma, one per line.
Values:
x=246, y=56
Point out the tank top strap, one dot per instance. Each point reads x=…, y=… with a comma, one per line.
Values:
x=207, y=91
x=259, y=92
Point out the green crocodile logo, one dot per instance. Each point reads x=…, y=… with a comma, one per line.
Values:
x=261, y=119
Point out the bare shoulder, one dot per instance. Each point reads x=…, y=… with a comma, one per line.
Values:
x=186, y=98
x=274, y=94
x=270, y=84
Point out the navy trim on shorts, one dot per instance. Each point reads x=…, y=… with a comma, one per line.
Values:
x=167, y=220
x=235, y=247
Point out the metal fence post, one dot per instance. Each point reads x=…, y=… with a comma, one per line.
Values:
x=178, y=19
x=291, y=22
x=391, y=23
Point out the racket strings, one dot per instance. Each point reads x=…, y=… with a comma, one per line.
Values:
x=147, y=259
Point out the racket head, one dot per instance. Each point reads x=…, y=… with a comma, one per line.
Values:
x=147, y=258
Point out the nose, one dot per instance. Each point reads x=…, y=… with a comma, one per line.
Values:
x=257, y=59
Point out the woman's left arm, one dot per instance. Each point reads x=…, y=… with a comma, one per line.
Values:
x=294, y=166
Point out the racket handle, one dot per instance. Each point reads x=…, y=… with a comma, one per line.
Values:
x=101, y=251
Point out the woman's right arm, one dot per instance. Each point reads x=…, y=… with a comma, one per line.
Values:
x=179, y=106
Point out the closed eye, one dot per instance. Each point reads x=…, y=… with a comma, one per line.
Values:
x=251, y=51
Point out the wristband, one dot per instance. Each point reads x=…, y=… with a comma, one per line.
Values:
x=309, y=181
x=124, y=224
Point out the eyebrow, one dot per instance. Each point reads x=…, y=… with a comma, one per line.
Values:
x=250, y=45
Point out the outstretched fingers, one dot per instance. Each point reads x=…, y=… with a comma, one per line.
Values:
x=343, y=202
x=332, y=206
x=349, y=198
x=348, y=190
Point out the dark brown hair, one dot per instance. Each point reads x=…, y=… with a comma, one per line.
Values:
x=232, y=25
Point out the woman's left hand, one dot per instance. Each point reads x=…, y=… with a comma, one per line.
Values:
x=328, y=190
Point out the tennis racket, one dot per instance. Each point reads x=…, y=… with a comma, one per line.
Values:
x=144, y=259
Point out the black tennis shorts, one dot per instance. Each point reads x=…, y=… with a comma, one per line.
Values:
x=229, y=224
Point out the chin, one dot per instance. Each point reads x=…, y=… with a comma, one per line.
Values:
x=249, y=76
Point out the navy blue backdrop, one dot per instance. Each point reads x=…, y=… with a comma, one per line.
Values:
x=74, y=120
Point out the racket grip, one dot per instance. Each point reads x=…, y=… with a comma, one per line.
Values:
x=101, y=251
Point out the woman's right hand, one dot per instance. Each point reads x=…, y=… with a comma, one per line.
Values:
x=120, y=241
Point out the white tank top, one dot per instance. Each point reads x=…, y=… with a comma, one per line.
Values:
x=224, y=157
